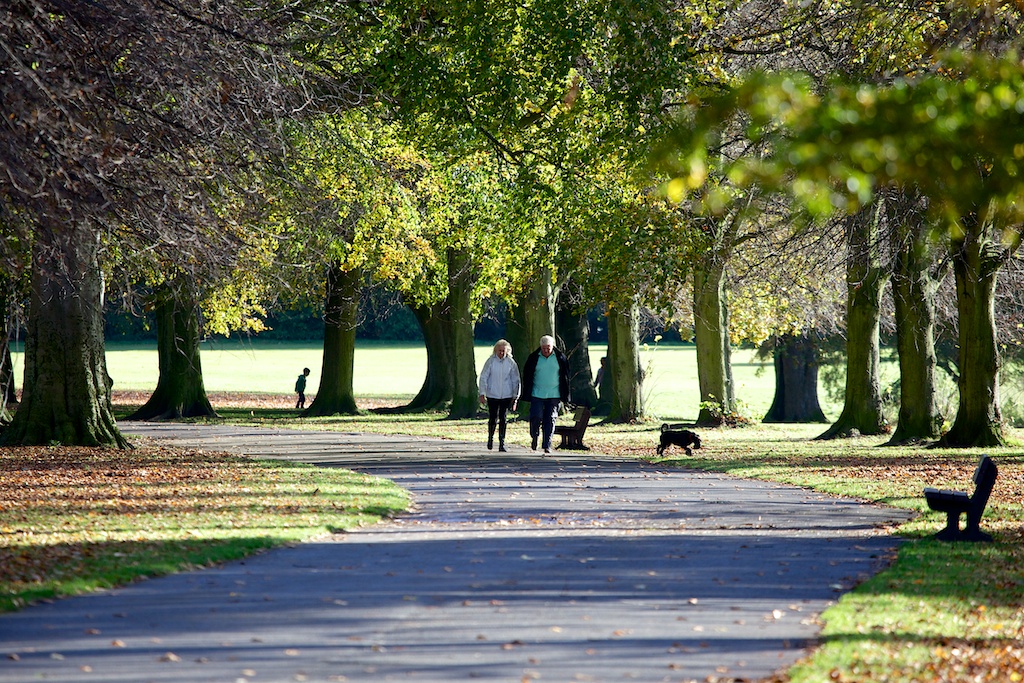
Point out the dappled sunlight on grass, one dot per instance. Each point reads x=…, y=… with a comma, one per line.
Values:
x=72, y=519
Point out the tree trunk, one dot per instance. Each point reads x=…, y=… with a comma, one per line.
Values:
x=8, y=393
x=461, y=280
x=437, y=388
x=711, y=336
x=605, y=391
x=532, y=316
x=796, y=381
x=574, y=340
x=976, y=262
x=335, y=395
x=66, y=396
x=624, y=364
x=913, y=293
x=865, y=283
x=179, y=389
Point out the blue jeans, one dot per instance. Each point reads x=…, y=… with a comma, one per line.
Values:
x=543, y=412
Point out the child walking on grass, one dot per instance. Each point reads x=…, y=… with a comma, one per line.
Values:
x=300, y=388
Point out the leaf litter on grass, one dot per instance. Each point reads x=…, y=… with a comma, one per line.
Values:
x=76, y=518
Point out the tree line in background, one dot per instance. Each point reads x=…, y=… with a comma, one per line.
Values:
x=753, y=172
x=382, y=317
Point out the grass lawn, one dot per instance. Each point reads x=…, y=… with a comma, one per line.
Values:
x=76, y=519
x=393, y=373
x=941, y=612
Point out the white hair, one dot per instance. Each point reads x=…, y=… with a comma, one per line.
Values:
x=547, y=339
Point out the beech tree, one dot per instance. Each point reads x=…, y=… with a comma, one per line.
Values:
x=553, y=89
x=8, y=301
x=344, y=214
x=626, y=247
x=844, y=144
x=866, y=277
x=788, y=300
x=470, y=216
x=180, y=391
x=187, y=307
x=532, y=313
x=916, y=273
x=573, y=333
x=113, y=141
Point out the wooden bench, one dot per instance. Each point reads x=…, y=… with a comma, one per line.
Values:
x=955, y=503
x=572, y=436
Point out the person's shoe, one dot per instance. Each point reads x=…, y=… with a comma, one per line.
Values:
x=490, y=443
x=547, y=451
x=501, y=447
x=533, y=444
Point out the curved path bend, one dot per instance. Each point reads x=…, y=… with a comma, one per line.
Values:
x=519, y=568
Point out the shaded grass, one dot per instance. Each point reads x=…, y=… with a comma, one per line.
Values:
x=76, y=519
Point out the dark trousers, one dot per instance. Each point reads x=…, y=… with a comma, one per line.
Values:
x=497, y=409
x=543, y=413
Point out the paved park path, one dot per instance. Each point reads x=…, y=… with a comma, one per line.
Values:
x=519, y=568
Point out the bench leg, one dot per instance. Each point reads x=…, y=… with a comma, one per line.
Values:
x=973, y=531
x=952, y=530
x=572, y=441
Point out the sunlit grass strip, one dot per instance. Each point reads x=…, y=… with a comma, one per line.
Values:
x=74, y=520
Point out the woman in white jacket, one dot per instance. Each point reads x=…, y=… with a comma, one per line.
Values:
x=499, y=388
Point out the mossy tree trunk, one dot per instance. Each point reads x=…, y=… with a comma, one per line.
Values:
x=913, y=293
x=977, y=257
x=336, y=395
x=8, y=392
x=66, y=396
x=574, y=340
x=462, y=275
x=438, y=384
x=711, y=336
x=180, y=391
x=624, y=363
x=451, y=380
x=865, y=284
x=796, y=381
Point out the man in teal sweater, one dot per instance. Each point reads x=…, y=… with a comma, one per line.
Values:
x=545, y=385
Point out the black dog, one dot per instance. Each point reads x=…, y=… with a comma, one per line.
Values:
x=682, y=438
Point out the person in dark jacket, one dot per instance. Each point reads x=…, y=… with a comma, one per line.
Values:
x=300, y=388
x=545, y=385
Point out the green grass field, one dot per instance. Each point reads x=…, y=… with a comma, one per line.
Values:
x=395, y=372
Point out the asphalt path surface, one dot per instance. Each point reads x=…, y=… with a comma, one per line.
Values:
x=515, y=568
